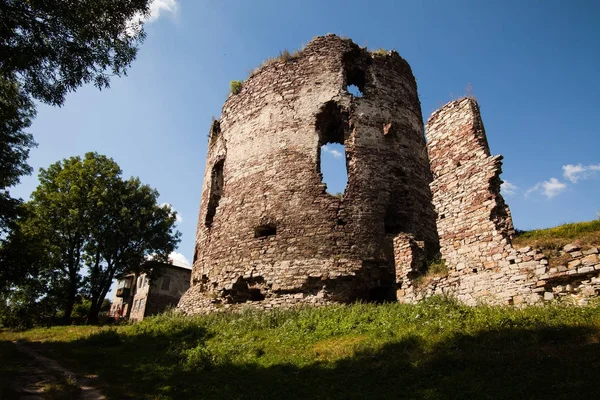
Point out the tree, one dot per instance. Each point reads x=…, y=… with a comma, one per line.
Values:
x=61, y=213
x=30, y=289
x=54, y=46
x=131, y=228
x=16, y=113
x=47, y=49
x=84, y=213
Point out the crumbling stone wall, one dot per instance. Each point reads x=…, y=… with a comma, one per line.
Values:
x=269, y=235
x=268, y=232
x=475, y=227
x=473, y=222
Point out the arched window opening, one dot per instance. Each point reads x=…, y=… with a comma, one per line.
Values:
x=332, y=128
x=354, y=70
x=216, y=191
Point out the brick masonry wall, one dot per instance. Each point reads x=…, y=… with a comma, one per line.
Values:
x=475, y=226
x=263, y=176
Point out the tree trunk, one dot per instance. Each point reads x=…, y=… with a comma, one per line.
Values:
x=93, y=314
x=72, y=293
x=70, y=304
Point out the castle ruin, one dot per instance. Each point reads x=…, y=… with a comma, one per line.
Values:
x=270, y=235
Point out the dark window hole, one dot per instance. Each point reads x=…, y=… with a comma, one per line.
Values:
x=355, y=77
x=265, y=230
x=255, y=295
x=381, y=294
x=394, y=224
x=216, y=190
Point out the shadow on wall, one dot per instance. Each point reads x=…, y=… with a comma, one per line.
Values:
x=557, y=363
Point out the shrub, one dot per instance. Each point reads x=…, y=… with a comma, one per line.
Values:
x=380, y=52
x=235, y=86
x=197, y=358
x=437, y=267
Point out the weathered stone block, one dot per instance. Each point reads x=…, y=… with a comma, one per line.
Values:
x=571, y=247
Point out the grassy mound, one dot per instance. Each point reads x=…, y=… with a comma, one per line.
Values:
x=434, y=350
x=586, y=234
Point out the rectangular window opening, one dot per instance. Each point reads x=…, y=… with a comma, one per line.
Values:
x=265, y=230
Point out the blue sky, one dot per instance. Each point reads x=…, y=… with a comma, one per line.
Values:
x=532, y=65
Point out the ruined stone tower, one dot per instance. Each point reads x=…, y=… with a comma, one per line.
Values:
x=268, y=231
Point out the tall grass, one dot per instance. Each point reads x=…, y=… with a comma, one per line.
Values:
x=343, y=351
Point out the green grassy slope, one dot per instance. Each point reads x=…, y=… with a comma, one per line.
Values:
x=434, y=350
x=587, y=234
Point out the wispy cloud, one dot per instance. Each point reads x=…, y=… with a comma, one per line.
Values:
x=178, y=216
x=549, y=188
x=333, y=152
x=579, y=172
x=509, y=189
x=179, y=259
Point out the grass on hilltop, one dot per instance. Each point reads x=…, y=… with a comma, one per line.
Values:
x=437, y=349
x=585, y=234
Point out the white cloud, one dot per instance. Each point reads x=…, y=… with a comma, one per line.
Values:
x=179, y=259
x=508, y=188
x=157, y=8
x=549, y=188
x=578, y=172
x=178, y=217
x=333, y=152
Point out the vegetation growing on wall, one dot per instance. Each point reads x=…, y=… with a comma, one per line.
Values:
x=235, y=86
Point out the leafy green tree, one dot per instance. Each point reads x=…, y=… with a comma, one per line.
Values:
x=62, y=210
x=55, y=46
x=47, y=49
x=16, y=112
x=84, y=214
x=30, y=289
x=128, y=229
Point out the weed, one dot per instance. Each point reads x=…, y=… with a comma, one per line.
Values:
x=235, y=86
x=435, y=268
x=380, y=52
x=65, y=388
x=284, y=56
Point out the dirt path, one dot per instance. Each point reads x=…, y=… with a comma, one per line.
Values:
x=44, y=378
